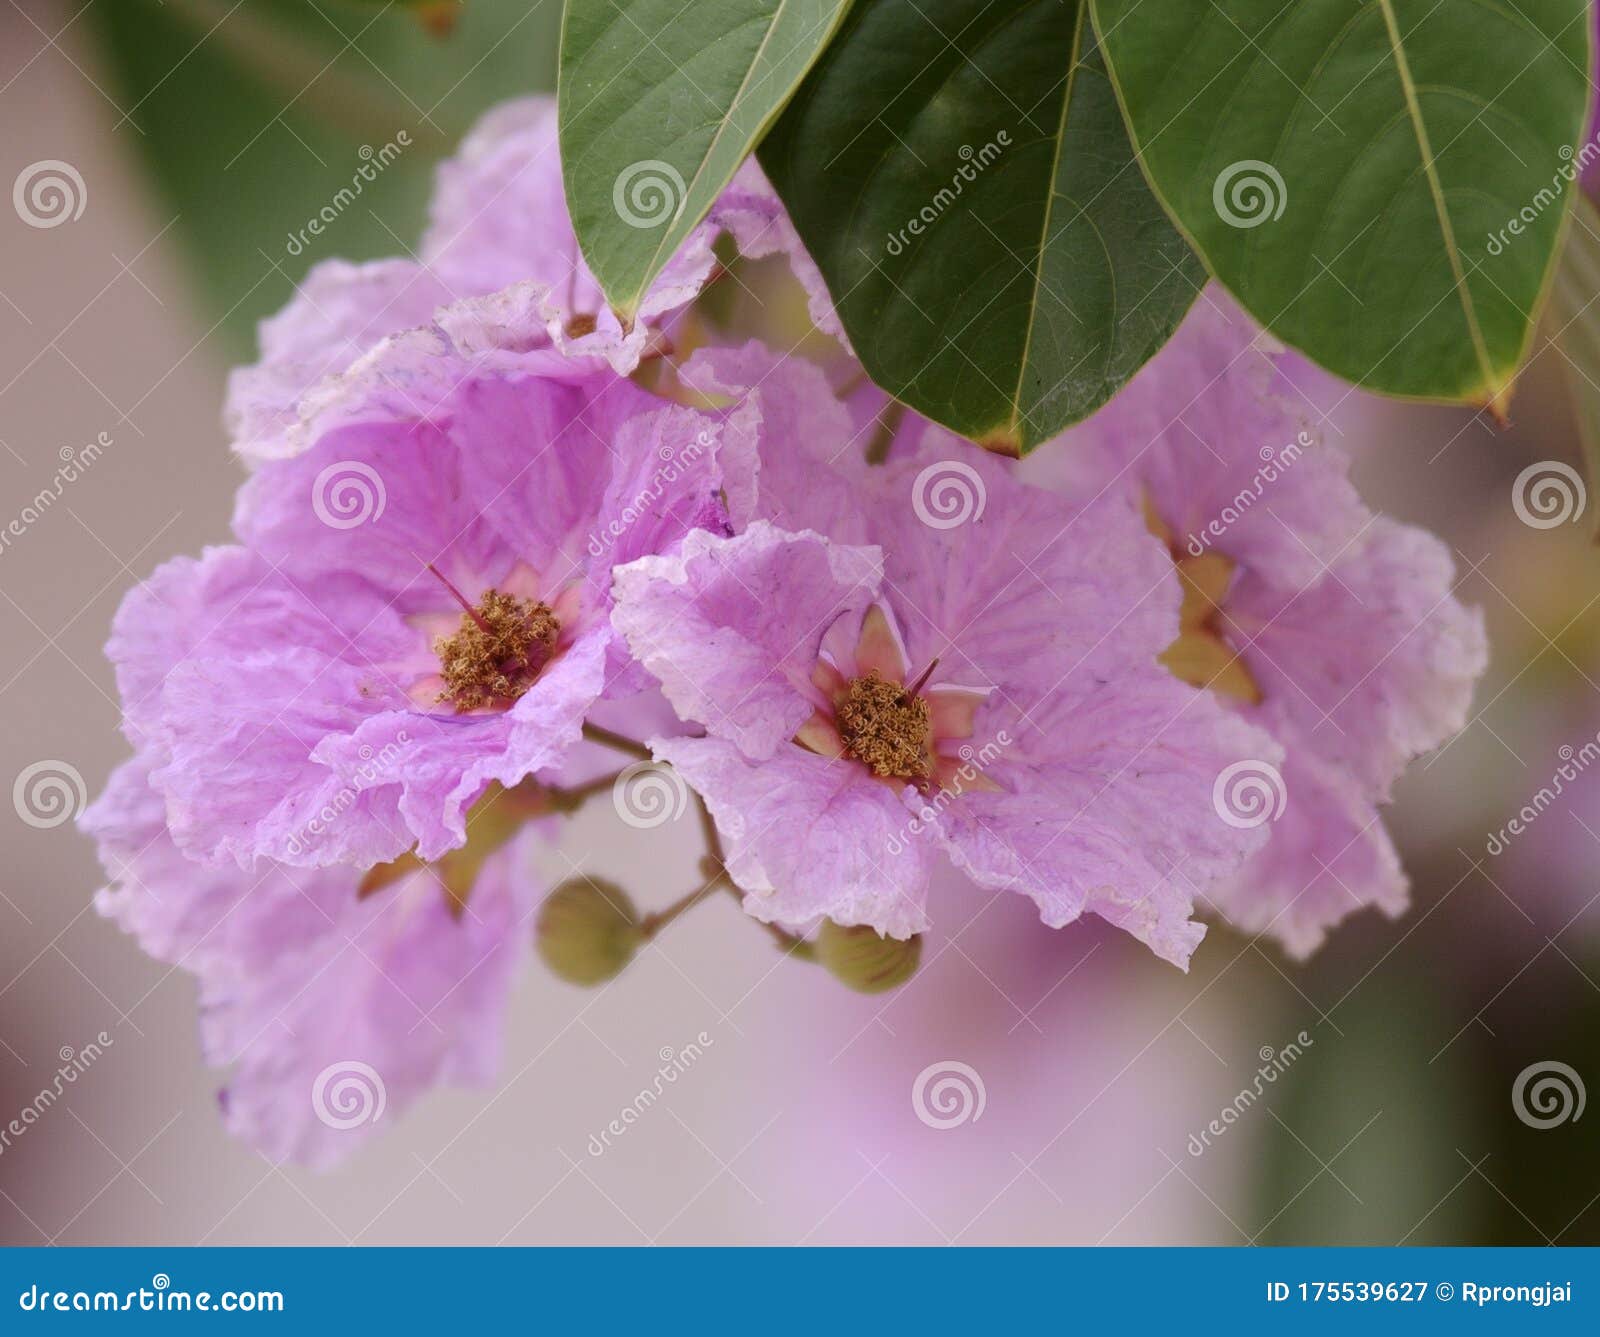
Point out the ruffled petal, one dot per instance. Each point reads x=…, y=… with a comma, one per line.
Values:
x=1215, y=433
x=1327, y=857
x=808, y=837
x=339, y=311
x=1006, y=585
x=1376, y=663
x=731, y=627
x=1102, y=800
x=363, y=1005
x=806, y=456
x=335, y=1011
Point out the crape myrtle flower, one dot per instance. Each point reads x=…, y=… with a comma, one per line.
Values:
x=333, y=999
x=417, y=606
x=882, y=680
x=1333, y=628
x=499, y=239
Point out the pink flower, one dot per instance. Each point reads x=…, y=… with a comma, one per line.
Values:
x=882, y=679
x=1334, y=629
x=418, y=608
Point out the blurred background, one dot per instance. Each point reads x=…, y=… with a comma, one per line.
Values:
x=205, y=134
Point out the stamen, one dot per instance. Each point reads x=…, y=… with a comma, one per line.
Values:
x=498, y=652
x=886, y=727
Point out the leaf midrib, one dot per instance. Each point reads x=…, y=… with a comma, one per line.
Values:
x=1436, y=190
x=1014, y=425
x=662, y=247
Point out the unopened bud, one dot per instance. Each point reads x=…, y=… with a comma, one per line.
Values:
x=859, y=957
x=587, y=931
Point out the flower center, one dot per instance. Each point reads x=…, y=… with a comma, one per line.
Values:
x=1202, y=656
x=886, y=727
x=497, y=653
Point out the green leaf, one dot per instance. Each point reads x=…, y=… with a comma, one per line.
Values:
x=252, y=118
x=660, y=101
x=961, y=175
x=1351, y=169
x=1575, y=306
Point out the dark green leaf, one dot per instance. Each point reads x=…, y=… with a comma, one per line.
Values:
x=1352, y=169
x=660, y=101
x=961, y=174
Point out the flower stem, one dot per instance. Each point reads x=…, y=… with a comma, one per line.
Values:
x=798, y=948
x=616, y=742
x=570, y=800
x=652, y=924
x=883, y=437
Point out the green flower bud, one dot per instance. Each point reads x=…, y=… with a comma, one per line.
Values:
x=587, y=930
x=858, y=957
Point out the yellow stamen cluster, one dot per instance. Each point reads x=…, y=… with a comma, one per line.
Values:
x=498, y=651
x=1202, y=656
x=886, y=728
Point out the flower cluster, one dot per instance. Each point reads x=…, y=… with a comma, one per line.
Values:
x=483, y=514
